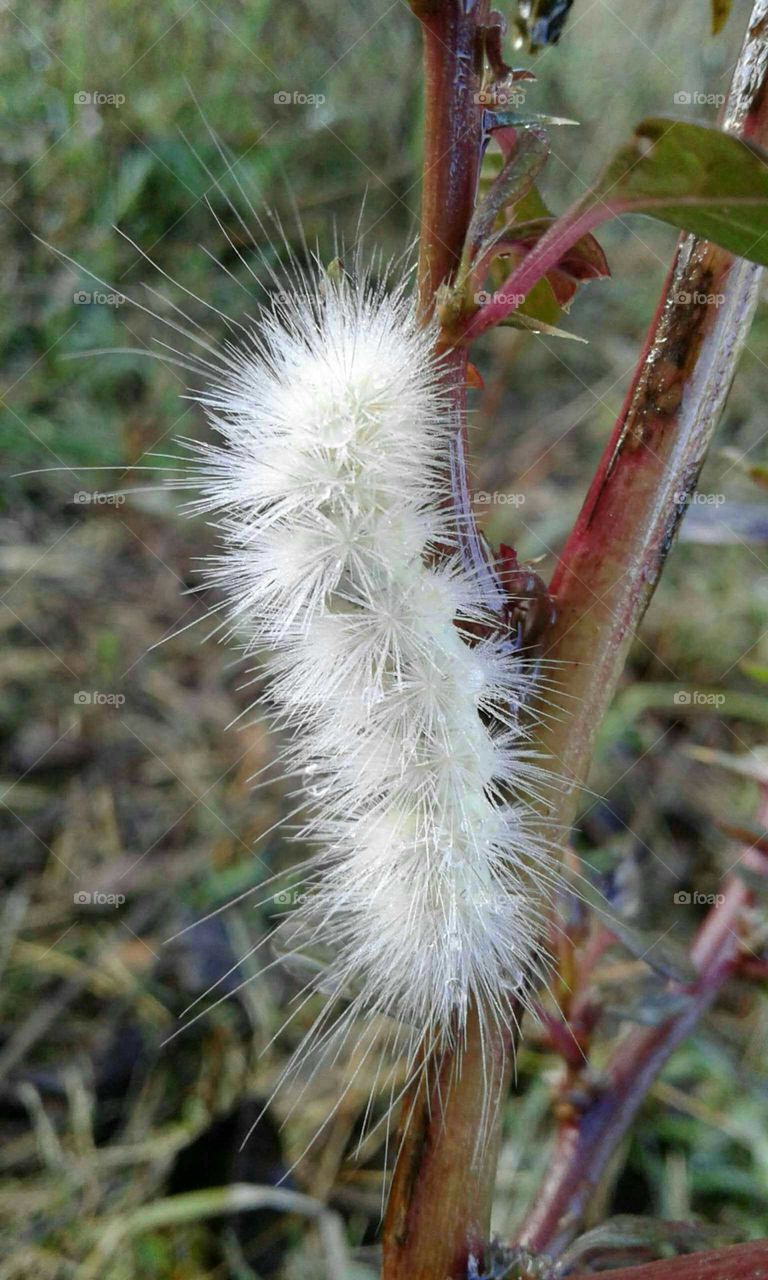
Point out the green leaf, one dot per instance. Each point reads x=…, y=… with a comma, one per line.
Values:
x=755, y=671
x=540, y=305
x=534, y=324
x=502, y=119
x=695, y=177
x=511, y=184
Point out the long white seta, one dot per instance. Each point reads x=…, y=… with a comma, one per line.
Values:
x=342, y=558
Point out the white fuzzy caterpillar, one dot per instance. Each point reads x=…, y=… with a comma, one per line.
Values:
x=342, y=555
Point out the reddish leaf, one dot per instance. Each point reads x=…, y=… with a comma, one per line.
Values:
x=582, y=261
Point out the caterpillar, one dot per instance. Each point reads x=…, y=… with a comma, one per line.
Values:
x=349, y=563
x=343, y=558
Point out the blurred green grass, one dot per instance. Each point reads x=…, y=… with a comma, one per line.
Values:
x=152, y=798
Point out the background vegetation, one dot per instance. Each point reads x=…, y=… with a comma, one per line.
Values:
x=146, y=794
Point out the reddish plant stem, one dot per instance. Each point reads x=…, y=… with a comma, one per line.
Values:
x=737, y=1261
x=545, y=254
x=614, y=556
x=439, y=1203
x=452, y=67
x=612, y=560
x=587, y=1139
x=744, y=116
x=453, y=63
x=605, y=578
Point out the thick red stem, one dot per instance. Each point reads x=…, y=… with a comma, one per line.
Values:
x=735, y=1262
x=614, y=556
x=604, y=580
x=439, y=1203
x=586, y=1141
x=545, y=254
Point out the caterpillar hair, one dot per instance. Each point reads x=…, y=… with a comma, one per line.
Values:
x=343, y=557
